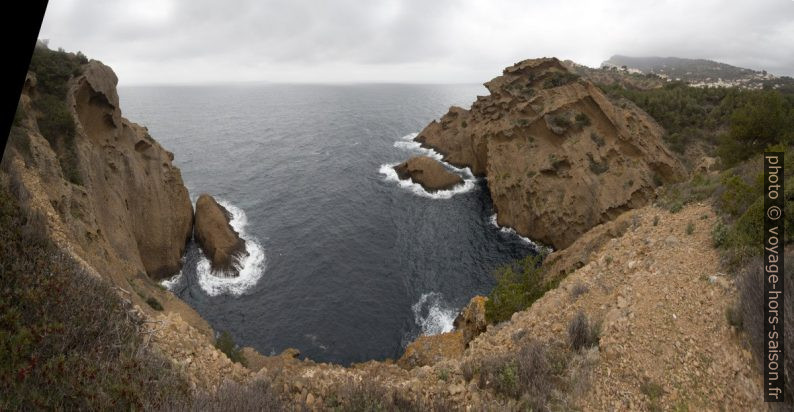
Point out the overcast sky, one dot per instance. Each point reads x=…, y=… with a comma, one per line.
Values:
x=422, y=41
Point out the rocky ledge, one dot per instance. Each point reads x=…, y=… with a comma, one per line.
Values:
x=559, y=156
x=427, y=172
x=214, y=233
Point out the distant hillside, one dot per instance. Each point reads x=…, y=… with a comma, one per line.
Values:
x=698, y=72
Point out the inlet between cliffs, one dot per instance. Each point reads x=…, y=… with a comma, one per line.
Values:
x=346, y=262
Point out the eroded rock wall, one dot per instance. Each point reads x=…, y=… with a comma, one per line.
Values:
x=130, y=216
x=559, y=156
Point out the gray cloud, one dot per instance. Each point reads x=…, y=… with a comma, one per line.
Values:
x=178, y=41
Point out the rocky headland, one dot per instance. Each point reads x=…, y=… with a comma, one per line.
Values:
x=558, y=155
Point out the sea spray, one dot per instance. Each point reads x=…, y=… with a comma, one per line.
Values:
x=433, y=315
x=250, y=267
x=512, y=232
x=407, y=143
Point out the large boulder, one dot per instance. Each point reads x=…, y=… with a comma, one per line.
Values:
x=427, y=172
x=214, y=233
x=559, y=156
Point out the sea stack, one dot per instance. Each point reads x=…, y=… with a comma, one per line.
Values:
x=427, y=172
x=214, y=233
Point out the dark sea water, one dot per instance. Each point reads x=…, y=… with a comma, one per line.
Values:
x=347, y=264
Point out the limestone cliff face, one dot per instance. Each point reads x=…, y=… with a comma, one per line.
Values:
x=131, y=217
x=129, y=177
x=558, y=155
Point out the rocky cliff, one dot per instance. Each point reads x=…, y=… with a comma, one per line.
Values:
x=118, y=203
x=559, y=156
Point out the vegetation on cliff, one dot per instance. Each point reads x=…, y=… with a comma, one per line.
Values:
x=67, y=340
x=741, y=122
x=519, y=284
x=53, y=69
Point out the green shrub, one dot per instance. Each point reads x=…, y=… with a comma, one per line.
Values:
x=556, y=79
x=596, y=167
x=698, y=188
x=719, y=234
x=560, y=121
x=443, y=375
x=225, y=343
x=67, y=341
x=654, y=392
x=531, y=374
x=518, y=286
x=734, y=316
x=522, y=122
x=53, y=70
x=154, y=303
x=597, y=139
x=582, y=120
x=737, y=195
x=766, y=119
x=744, y=238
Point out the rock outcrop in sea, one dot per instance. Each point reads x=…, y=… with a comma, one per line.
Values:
x=558, y=155
x=214, y=233
x=427, y=172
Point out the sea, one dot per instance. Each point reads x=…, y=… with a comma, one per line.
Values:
x=346, y=263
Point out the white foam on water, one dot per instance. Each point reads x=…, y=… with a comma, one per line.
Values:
x=407, y=142
x=250, y=267
x=432, y=314
x=172, y=282
x=510, y=231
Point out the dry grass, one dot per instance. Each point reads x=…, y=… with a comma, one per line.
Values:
x=67, y=339
x=582, y=333
x=233, y=396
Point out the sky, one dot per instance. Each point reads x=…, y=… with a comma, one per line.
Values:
x=406, y=41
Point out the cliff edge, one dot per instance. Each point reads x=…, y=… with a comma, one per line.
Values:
x=99, y=185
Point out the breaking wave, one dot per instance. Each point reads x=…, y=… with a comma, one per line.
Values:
x=250, y=267
x=172, y=282
x=407, y=143
x=512, y=232
x=433, y=315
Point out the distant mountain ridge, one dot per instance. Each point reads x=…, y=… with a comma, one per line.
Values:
x=698, y=72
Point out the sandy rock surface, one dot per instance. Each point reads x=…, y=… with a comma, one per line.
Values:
x=427, y=172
